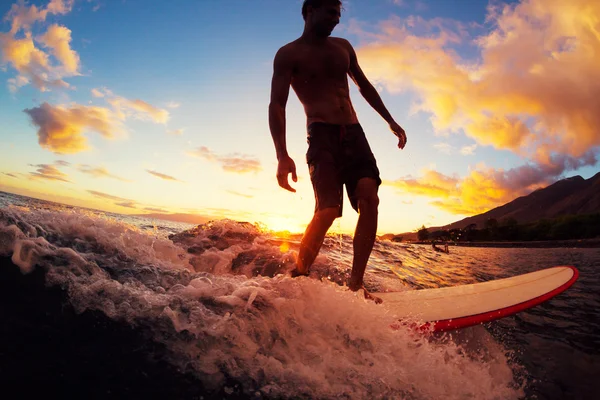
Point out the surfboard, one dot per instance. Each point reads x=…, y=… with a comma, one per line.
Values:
x=455, y=307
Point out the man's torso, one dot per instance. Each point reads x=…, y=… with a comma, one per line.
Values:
x=320, y=80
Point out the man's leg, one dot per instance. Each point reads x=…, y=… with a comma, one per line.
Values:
x=314, y=236
x=366, y=232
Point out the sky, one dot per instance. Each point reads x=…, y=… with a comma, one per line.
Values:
x=136, y=107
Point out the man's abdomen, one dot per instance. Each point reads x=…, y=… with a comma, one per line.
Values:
x=331, y=112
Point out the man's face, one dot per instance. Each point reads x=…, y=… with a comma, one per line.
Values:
x=325, y=18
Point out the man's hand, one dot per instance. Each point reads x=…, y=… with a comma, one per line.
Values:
x=399, y=132
x=285, y=167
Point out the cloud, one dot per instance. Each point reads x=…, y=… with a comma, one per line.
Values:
x=486, y=188
x=417, y=5
x=15, y=83
x=445, y=148
x=22, y=17
x=108, y=196
x=48, y=172
x=127, y=204
x=10, y=175
x=158, y=210
x=61, y=129
x=433, y=184
x=175, y=132
x=533, y=88
x=58, y=38
x=97, y=93
x=163, y=176
x=119, y=201
x=125, y=108
x=62, y=163
x=233, y=192
x=468, y=150
x=96, y=5
x=32, y=64
x=173, y=104
x=238, y=163
x=99, y=172
x=138, y=109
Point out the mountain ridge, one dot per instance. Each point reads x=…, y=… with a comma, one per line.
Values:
x=569, y=196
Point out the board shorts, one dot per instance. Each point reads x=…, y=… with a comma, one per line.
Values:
x=338, y=155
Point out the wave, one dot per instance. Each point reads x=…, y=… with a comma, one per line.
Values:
x=217, y=299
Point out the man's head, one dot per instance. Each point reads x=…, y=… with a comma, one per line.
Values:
x=321, y=16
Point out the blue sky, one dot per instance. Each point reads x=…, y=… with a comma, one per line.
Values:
x=183, y=89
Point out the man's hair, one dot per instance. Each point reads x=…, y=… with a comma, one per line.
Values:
x=317, y=4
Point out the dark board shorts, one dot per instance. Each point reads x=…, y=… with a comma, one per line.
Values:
x=338, y=155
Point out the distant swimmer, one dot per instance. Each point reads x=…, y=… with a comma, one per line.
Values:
x=317, y=67
x=444, y=250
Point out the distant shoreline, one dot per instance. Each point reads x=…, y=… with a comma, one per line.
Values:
x=573, y=243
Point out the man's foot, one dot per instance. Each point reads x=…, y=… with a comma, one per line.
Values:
x=295, y=273
x=368, y=295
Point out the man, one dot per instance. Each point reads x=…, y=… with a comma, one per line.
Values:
x=317, y=67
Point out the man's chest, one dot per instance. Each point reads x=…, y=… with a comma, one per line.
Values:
x=321, y=63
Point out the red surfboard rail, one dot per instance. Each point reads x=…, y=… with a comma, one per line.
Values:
x=463, y=322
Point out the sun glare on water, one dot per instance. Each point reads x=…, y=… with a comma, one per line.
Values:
x=284, y=224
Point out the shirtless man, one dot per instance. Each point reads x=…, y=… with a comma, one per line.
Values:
x=317, y=67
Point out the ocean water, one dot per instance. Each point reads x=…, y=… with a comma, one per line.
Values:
x=213, y=303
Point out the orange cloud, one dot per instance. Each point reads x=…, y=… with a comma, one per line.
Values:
x=61, y=129
x=127, y=204
x=22, y=17
x=118, y=201
x=109, y=196
x=238, y=163
x=32, y=64
x=433, y=184
x=163, y=176
x=49, y=172
x=533, y=90
x=159, y=210
x=99, y=172
x=58, y=38
x=487, y=188
x=126, y=108
x=138, y=109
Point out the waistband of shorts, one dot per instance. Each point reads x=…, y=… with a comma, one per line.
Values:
x=318, y=128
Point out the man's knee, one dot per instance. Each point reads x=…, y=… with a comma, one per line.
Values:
x=328, y=215
x=366, y=194
x=368, y=202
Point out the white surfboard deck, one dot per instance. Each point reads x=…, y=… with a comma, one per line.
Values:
x=466, y=305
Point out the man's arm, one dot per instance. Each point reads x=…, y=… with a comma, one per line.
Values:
x=370, y=94
x=280, y=89
x=365, y=87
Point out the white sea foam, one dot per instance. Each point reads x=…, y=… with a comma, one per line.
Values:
x=227, y=312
